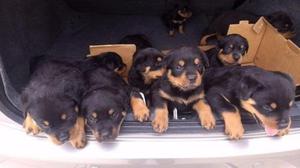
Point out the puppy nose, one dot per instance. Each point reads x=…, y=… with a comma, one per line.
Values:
x=192, y=77
x=284, y=123
x=63, y=137
x=236, y=56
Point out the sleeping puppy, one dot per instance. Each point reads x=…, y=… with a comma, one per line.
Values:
x=141, y=41
x=108, y=60
x=229, y=51
x=51, y=102
x=105, y=103
x=146, y=68
x=176, y=17
x=181, y=86
x=265, y=95
x=220, y=25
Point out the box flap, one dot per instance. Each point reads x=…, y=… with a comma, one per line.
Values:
x=126, y=51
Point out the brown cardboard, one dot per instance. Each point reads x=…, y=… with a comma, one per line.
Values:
x=268, y=49
x=126, y=51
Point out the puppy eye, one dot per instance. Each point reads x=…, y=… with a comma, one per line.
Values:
x=93, y=117
x=158, y=59
x=267, y=108
x=45, y=124
x=63, y=116
x=179, y=67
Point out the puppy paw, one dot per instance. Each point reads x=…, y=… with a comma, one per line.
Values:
x=283, y=132
x=207, y=120
x=30, y=126
x=160, y=125
x=77, y=134
x=140, y=110
x=171, y=33
x=234, y=132
x=161, y=121
x=205, y=114
x=79, y=142
x=233, y=125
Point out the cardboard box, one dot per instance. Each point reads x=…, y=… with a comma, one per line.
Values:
x=268, y=49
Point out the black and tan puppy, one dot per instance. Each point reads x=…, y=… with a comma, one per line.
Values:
x=141, y=41
x=220, y=25
x=105, y=103
x=181, y=85
x=51, y=102
x=267, y=96
x=228, y=51
x=146, y=68
x=108, y=60
x=176, y=17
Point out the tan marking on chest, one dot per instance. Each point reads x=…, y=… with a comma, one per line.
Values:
x=180, y=100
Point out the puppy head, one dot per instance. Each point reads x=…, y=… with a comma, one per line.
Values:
x=185, y=67
x=232, y=48
x=148, y=63
x=269, y=101
x=283, y=23
x=56, y=116
x=104, y=114
x=109, y=60
x=182, y=8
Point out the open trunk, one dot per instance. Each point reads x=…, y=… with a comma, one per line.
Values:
x=66, y=28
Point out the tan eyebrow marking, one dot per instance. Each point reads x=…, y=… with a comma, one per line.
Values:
x=111, y=111
x=159, y=59
x=76, y=109
x=63, y=116
x=273, y=105
x=181, y=63
x=197, y=61
x=46, y=123
x=94, y=115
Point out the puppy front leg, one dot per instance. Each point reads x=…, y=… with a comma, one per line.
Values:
x=205, y=114
x=139, y=108
x=161, y=118
x=230, y=113
x=30, y=125
x=77, y=134
x=233, y=124
x=180, y=29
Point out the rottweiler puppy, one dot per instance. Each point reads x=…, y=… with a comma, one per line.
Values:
x=176, y=17
x=146, y=68
x=220, y=25
x=105, y=103
x=141, y=41
x=228, y=51
x=265, y=95
x=51, y=102
x=181, y=85
x=108, y=60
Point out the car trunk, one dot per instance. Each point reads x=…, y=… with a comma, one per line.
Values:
x=65, y=29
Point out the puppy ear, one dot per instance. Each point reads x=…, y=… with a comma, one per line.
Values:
x=167, y=60
x=204, y=59
x=248, y=86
